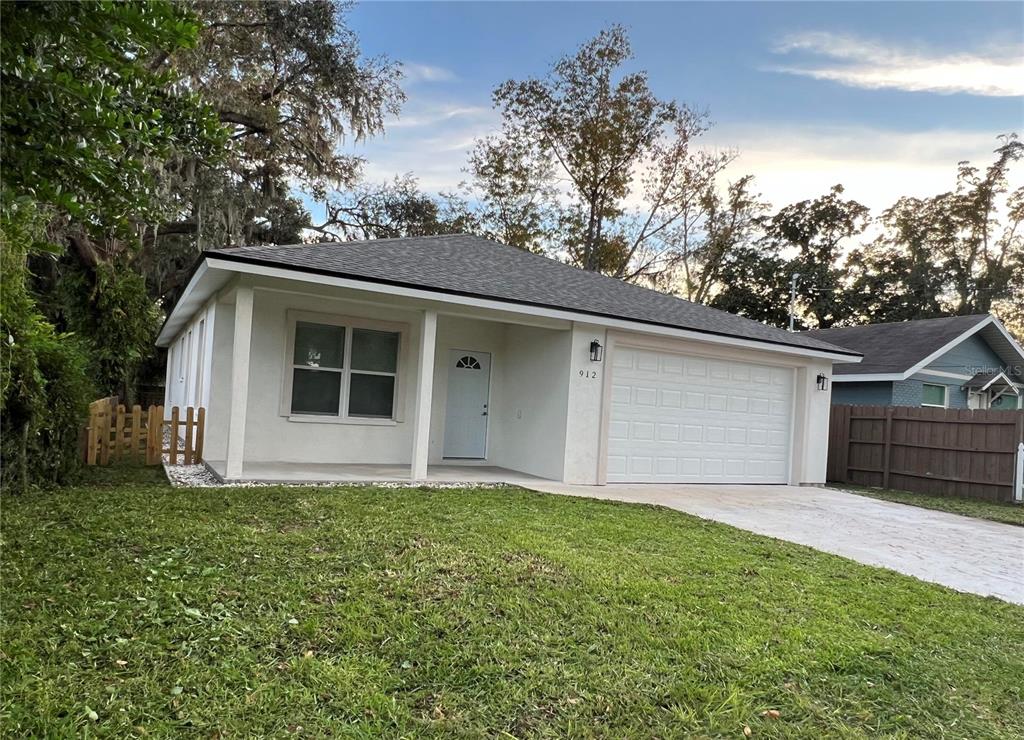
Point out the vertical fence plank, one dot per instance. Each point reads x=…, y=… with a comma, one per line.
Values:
x=136, y=431
x=189, y=421
x=90, y=449
x=887, y=449
x=200, y=434
x=174, y=435
x=119, y=432
x=103, y=420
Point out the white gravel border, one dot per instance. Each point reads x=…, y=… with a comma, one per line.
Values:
x=200, y=476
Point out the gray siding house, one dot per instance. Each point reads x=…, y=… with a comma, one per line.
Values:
x=953, y=362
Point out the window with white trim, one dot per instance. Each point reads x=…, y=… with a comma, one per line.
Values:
x=343, y=369
x=933, y=395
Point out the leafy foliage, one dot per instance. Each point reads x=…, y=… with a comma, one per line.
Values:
x=109, y=305
x=84, y=115
x=289, y=82
x=45, y=386
x=575, y=145
x=960, y=252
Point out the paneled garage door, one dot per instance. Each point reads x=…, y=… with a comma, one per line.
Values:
x=682, y=419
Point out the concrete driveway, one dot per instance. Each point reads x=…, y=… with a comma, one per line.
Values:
x=971, y=555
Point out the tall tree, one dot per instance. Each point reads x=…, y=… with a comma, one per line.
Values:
x=84, y=117
x=818, y=231
x=391, y=210
x=290, y=82
x=592, y=162
x=959, y=252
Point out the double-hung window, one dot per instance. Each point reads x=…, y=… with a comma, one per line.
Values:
x=933, y=395
x=343, y=368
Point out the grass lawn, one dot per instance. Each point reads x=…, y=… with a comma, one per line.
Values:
x=130, y=608
x=991, y=510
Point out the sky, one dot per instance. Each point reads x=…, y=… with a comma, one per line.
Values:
x=884, y=98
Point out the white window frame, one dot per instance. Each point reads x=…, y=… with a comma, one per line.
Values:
x=348, y=323
x=945, y=396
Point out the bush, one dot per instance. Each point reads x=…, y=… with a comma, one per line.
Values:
x=43, y=373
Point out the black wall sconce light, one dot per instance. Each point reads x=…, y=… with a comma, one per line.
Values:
x=596, y=351
x=822, y=382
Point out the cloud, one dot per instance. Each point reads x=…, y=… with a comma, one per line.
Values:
x=857, y=62
x=437, y=114
x=876, y=166
x=414, y=73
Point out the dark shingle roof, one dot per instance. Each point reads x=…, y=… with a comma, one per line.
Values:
x=896, y=347
x=473, y=266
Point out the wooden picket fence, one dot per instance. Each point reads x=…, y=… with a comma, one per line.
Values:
x=115, y=433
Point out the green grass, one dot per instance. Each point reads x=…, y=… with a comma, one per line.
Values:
x=991, y=510
x=137, y=609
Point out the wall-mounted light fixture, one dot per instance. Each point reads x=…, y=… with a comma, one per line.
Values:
x=596, y=351
x=822, y=382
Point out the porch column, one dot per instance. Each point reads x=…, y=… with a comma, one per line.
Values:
x=239, y=379
x=424, y=394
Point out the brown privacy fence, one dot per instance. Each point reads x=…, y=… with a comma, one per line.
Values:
x=115, y=432
x=954, y=452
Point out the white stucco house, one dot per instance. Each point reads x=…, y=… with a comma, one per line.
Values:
x=456, y=357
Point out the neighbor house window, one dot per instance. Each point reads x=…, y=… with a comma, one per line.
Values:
x=933, y=395
x=343, y=369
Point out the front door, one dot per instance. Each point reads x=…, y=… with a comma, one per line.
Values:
x=465, y=419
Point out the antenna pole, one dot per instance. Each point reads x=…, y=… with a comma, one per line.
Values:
x=792, y=299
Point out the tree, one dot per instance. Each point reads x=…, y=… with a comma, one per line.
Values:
x=290, y=82
x=392, y=210
x=896, y=277
x=960, y=252
x=817, y=231
x=716, y=234
x=980, y=256
x=578, y=148
x=518, y=202
x=754, y=282
x=84, y=117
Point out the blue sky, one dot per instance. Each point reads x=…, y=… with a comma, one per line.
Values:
x=882, y=97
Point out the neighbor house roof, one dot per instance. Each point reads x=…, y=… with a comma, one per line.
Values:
x=472, y=266
x=897, y=350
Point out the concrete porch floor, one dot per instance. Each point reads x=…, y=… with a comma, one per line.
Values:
x=281, y=472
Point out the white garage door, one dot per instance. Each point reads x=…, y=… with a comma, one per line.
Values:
x=683, y=419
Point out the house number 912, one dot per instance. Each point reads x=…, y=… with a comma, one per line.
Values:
x=591, y=374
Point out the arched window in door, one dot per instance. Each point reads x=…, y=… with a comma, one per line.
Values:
x=468, y=362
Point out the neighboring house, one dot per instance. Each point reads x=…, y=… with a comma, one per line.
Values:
x=401, y=358
x=955, y=362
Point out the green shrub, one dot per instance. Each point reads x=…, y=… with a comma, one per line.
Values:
x=44, y=383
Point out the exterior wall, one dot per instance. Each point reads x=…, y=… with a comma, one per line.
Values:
x=970, y=357
x=219, y=409
x=585, y=435
x=866, y=394
x=909, y=392
x=189, y=361
x=530, y=428
x=810, y=425
x=528, y=392
x=548, y=399
x=273, y=437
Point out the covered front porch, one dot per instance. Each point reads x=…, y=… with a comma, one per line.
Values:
x=471, y=394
